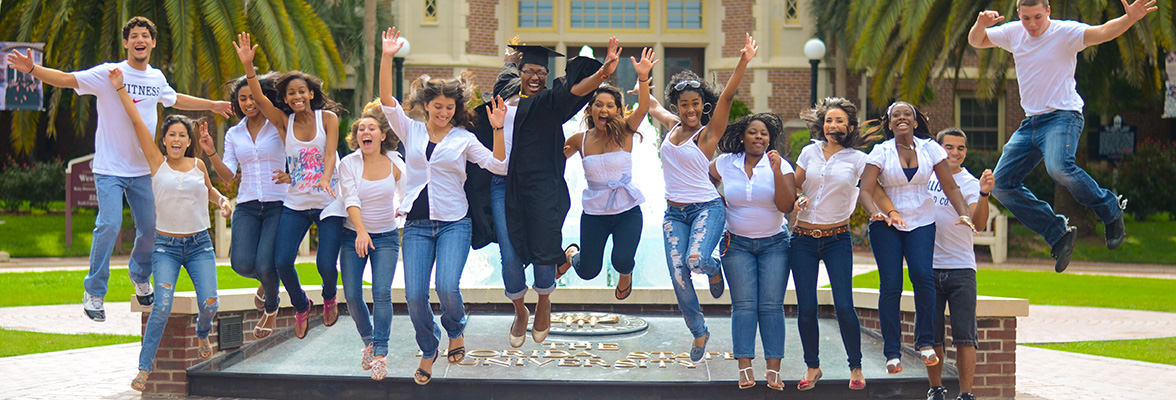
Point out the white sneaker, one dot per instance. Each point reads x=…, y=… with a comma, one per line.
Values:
x=144, y=292
x=94, y=306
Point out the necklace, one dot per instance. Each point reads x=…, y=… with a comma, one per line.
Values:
x=910, y=147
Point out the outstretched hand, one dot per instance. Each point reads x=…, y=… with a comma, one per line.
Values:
x=496, y=112
x=989, y=18
x=612, y=56
x=245, y=49
x=391, y=41
x=749, y=49
x=116, y=78
x=1137, y=10
x=22, y=62
x=646, y=64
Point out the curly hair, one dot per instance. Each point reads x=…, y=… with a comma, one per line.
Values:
x=705, y=89
x=460, y=89
x=815, y=118
x=267, y=88
x=881, y=126
x=372, y=110
x=188, y=123
x=617, y=126
x=320, y=100
x=137, y=22
x=732, y=140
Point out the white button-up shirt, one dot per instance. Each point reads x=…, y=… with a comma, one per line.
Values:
x=751, y=202
x=444, y=172
x=831, y=185
x=910, y=198
x=258, y=160
x=378, y=199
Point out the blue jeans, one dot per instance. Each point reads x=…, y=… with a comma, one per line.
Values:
x=111, y=190
x=1052, y=137
x=806, y=255
x=383, y=257
x=448, y=244
x=291, y=229
x=692, y=232
x=757, y=273
x=514, y=273
x=890, y=247
x=195, y=253
x=255, y=227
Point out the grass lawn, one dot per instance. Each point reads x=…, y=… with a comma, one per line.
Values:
x=44, y=235
x=1049, y=288
x=1162, y=351
x=65, y=287
x=15, y=343
x=1147, y=242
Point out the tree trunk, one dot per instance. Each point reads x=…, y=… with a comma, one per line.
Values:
x=841, y=62
x=369, y=53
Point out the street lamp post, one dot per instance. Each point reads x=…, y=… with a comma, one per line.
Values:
x=399, y=63
x=814, y=49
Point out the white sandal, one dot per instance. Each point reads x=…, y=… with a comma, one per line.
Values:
x=746, y=372
x=261, y=330
x=930, y=359
x=893, y=366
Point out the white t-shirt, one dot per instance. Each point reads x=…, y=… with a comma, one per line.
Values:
x=953, y=243
x=116, y=151
x=910, y=197
x=751, y=202
x=1045, y=64
x=831, y=185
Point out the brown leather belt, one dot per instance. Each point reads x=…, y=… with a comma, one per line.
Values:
x=820, y=233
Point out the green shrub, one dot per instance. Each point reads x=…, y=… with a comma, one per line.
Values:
x=739, y=109
x=796, y=141
x=38, y=183
x=1146, y=179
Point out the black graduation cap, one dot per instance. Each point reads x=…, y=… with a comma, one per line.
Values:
x=537, y=55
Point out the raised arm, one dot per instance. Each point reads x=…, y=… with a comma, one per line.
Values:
x=1116, y=27
x=643, y=68
x=245, y=51
x=223, y=172
x=192, y=103
x=979, y=209
x=952, y=191
x=587, y=85
x=146, y=141
x=978, y=36
x=496, y=113
x=24, y=63
x=785, y=197
x=660, y=114
x=709, y=138
x=391, y=45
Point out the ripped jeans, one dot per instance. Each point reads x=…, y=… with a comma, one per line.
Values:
x=195, y=253
x=692, y=232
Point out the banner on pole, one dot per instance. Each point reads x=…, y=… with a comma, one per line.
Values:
x=1170, y=86
x=18, y=90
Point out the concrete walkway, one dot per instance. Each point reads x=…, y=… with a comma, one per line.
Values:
x=105, y=372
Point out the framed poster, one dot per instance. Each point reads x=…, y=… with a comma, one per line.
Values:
x=18, y=90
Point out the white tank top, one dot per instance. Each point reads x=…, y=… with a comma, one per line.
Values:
x=610, y=188
x=305, y=163
x=181, y=201
x=687, y=171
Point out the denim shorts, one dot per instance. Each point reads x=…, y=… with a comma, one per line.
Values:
x=955, y=289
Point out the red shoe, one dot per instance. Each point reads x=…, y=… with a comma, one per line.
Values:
x=302, y=321
x=330, y=312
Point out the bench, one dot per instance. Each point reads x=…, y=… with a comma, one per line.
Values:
x=995, y=235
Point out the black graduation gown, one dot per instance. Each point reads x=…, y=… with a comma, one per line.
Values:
x=477, y=185
x=537, y=199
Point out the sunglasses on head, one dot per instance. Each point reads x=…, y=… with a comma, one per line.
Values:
x=692, y=83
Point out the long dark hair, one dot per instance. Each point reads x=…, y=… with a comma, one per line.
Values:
x=732, y=140
x=460, y=89
x=320, y=100
x=268, y=89
x=188, y=123
x=881, y=126
x=815, y=118
x=617, y=128
x=705, y=90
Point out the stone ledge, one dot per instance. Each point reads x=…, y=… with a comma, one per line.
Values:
x=185, y=303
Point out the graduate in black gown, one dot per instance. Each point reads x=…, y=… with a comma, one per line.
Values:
x=524, y=211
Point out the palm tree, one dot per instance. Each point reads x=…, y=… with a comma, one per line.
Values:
x=193, y=45
x=355, y=25
x=832, y=20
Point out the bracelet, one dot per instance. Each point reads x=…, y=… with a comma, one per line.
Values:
x=892, y=211
x=983, y=194
x=213, y=155
x=802, y=195
x=603, y=76
x=31, y=69
x=965, y=218
x=498, y=127
x=247, y=77
x=123, y=87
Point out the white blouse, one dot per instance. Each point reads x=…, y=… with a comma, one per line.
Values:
x=831, y=185
x=751, y=202
x=910, y=197
x=686, y=171
x=444, y=172
x=181, y=199
x=258, y=160
x=378, y=199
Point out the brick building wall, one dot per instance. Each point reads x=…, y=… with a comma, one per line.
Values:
x=790, y=92
x=482, y=23
x=744, y=91
x=737, y=21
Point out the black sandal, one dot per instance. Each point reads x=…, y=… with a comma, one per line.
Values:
x=459, y=352
x=421, y=373
x=623, y=293
x=563, y=268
